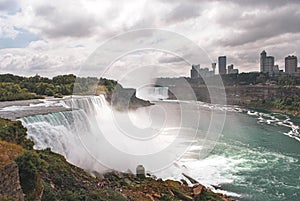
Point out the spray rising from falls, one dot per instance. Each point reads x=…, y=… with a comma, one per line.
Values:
x=95, y=137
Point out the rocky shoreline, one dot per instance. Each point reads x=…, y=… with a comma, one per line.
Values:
x=133, y=187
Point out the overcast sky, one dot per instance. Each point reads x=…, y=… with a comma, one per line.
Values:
x=57, y=37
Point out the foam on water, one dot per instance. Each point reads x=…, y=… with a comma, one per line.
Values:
x=276, y=119
x=229, y=163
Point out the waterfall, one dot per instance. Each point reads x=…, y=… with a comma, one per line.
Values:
x=69, y=132
x=153, y=93
x=96, y=137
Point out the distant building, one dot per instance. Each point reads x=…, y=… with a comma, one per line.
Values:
x=205, y=72
x=213, y=66
x=276, y=69
x=298, y=69
x=231, y=70
x=266, y=63
x=195, y=71
x=291, y=63
x=222, y=65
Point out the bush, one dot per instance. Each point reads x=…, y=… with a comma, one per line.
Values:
x=14, y=132
x=58, y=95
x=29, y=164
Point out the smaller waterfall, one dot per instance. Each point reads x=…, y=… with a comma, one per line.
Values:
x=152, y=93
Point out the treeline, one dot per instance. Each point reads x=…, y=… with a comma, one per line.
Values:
x=13, y=87
x=252, y=78
x=11, y=91
x=260, y=78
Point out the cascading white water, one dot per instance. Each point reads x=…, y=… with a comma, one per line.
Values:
x=152, y=93
x=95, y=137
x=66, y=132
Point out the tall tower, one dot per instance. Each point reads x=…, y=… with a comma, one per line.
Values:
x=195, y=71
x=213, y=66
x=263, y=56
x=266, y=63
x=222, y=65
x=291, y=63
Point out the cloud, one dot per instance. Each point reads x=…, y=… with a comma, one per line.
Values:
x=7, y=30
x=264, y=3
x=262, y=24
x=182, y=12
x=9, y=6
x=60, y=22
x=166, y=59
x=62, y=35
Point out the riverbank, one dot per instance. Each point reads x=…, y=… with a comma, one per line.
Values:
x=269, y=107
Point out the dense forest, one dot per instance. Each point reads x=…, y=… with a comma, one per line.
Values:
x=13, y=87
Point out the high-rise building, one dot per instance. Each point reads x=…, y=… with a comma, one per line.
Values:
x=195, y=71
x=291, y=64
x=222, y=65
x=231, y=70
x=266, y=63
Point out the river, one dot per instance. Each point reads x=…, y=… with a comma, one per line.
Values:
x=255, y=157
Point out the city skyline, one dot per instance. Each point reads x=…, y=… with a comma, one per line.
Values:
x=267, y=65
x=56, y=38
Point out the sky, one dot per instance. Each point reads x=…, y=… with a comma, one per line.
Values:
x=58, y=37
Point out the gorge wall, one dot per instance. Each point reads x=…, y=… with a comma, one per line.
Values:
x=237, y=95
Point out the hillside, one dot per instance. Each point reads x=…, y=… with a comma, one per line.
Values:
x=44, y=175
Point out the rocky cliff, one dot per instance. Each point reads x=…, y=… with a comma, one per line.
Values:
x=10, y=188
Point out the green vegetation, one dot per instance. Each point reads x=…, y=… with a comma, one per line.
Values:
x=289, y=104
x=13, y=87
x=11, y=91
x=260, y=78
x=8, y=152
x=30, y=165
x=14, y=132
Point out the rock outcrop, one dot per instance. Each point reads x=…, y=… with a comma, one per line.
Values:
x=10, y=187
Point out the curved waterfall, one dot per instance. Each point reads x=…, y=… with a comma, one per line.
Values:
x=68, y=132
x=95, y=137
